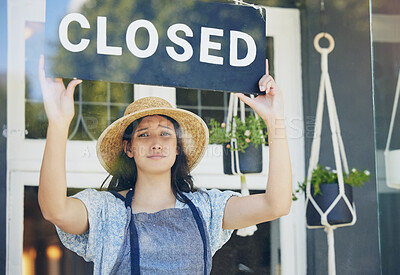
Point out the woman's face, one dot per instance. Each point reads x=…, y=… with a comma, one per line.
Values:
x=153, y=145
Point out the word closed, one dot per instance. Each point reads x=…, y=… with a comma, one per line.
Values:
x=206, y=42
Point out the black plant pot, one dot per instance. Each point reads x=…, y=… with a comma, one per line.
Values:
x=249, y=162
x=340, y=214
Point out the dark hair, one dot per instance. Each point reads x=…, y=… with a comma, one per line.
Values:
x=125, y=170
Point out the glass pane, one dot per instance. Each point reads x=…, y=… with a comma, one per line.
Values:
x=210, y=98
x=35, y=120
x=386, y=68
x=121, y=92
x=186, y=97
x=93, y=91
x=117, y=111
x=43, y=252
x=217, y=115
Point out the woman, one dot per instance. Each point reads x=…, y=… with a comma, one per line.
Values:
x=152, y=220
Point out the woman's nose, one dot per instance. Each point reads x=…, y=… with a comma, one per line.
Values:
x=156, y=146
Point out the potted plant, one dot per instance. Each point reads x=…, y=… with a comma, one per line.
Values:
x=325, y=189
x=246, y=143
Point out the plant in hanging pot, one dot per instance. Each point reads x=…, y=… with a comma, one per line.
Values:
x=325, y=189
x=244, y=144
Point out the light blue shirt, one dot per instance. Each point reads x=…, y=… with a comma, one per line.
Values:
x=108, y=224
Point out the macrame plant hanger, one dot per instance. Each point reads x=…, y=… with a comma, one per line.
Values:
x=338, y=149
x=392, y=158
x=232, y=112
x=235, y=165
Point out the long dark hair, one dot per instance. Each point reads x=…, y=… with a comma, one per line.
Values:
x=125, y=170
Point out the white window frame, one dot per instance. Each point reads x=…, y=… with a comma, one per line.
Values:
x=24, y=156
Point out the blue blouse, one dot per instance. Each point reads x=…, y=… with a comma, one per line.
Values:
x=109, y=221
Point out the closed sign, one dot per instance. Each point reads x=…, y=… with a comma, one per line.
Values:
x=179, y=43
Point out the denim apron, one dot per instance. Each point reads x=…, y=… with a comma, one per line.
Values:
x=170, y=241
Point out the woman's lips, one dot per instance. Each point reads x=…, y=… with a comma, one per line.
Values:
x=156, y=156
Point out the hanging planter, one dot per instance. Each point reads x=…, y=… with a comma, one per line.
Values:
x=244, y=143
x=250, y=161
x=392, y=157
x=325, y=190
x=340, y=214
x=242, y=139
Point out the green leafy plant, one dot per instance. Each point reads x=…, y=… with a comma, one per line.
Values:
x=322, y=175
x=252, y=131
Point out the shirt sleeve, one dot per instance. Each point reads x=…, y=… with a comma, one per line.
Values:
x=212, y=205
x=86, y=244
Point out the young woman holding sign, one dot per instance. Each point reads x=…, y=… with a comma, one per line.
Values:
x=152, y=220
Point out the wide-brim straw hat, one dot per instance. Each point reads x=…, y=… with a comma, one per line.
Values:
x=194, y=131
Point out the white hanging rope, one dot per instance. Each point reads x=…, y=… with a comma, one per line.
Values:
x=392, y=158
x=331, y=250
x=235, y=166
x=234, y=152
x=338, y=150
x=396, y=101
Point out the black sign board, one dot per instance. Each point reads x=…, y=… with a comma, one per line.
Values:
x=179, y=43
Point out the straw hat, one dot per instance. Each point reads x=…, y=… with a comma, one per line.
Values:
x=194, y=131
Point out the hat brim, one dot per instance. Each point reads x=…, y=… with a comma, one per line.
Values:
x=194, y=137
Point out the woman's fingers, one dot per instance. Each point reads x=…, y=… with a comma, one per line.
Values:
x=71, y=86
x=249, y=101
x=269, y=90
x=267, y=84
x=263, y=83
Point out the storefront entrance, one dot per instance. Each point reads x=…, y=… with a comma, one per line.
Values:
x=32, y=244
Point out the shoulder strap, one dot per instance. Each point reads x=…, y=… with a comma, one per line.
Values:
x=117, y=195
x=200, y=226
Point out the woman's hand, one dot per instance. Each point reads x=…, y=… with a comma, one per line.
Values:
x=270, y=105
x=277, y=199
x=58, y=100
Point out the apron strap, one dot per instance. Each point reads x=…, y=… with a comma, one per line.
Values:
x=199, y=223
x=134, y=239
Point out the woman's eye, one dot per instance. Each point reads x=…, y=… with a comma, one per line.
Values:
x=165, y=134
x=143, y=135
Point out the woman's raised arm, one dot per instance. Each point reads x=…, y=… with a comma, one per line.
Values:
x=244, y=211
x=67, y=213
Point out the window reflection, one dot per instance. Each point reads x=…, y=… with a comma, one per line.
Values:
x=386, y=66
x=43, y=253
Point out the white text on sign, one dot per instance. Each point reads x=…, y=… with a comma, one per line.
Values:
x=205, y=41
